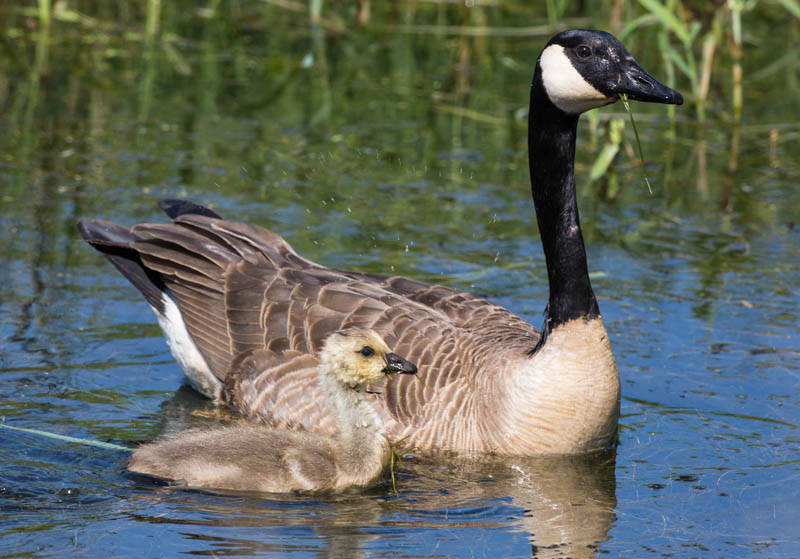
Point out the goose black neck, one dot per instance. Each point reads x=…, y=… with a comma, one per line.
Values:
x=551, y=150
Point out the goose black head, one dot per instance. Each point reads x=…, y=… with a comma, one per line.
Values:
x=582, y=69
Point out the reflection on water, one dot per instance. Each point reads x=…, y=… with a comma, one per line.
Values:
x=395, y=151
x=563, y=505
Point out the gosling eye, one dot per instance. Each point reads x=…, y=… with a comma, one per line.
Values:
x=367, y=351
x=583, y=51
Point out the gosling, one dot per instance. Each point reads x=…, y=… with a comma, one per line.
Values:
x=257, y=457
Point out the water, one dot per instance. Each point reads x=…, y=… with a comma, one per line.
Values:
x=379, y=152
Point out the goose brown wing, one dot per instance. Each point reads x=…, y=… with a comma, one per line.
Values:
x=244, y=293
x=282, y=302
x=217, y=272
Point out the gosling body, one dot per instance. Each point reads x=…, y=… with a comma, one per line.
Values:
x=255, y=457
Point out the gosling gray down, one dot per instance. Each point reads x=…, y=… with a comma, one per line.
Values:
x=492, y=382
x=255, y=457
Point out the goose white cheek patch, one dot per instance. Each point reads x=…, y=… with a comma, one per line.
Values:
x=565, y=87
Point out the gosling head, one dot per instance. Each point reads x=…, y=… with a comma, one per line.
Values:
x=582, y=69
x=359, y=356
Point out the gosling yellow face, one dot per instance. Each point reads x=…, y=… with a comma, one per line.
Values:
x=359, y=356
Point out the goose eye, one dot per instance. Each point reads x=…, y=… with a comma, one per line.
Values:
x=366, y=351
x=583, y=51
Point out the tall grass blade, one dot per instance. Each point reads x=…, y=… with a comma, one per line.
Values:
x=153, y=19
x=315, y=9
x=44, y=12
x=792, y=6
x=603, y=162
x=668, y=19
x=633, y=25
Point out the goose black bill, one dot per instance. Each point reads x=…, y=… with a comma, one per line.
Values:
x=637, y=84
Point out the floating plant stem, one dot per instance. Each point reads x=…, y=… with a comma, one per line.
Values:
x=394, y=461
x=638, y=141
x=67, y=438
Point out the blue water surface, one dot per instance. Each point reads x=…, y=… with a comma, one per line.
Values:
x=385, y=150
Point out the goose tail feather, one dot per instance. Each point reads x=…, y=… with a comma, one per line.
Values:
x=114, y=242
x=175, y=207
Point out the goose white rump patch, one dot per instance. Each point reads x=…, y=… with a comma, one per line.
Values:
x=185, y=351
x=566, y=88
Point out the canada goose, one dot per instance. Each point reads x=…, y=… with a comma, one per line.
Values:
x=492, y=382
x=254, y=457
